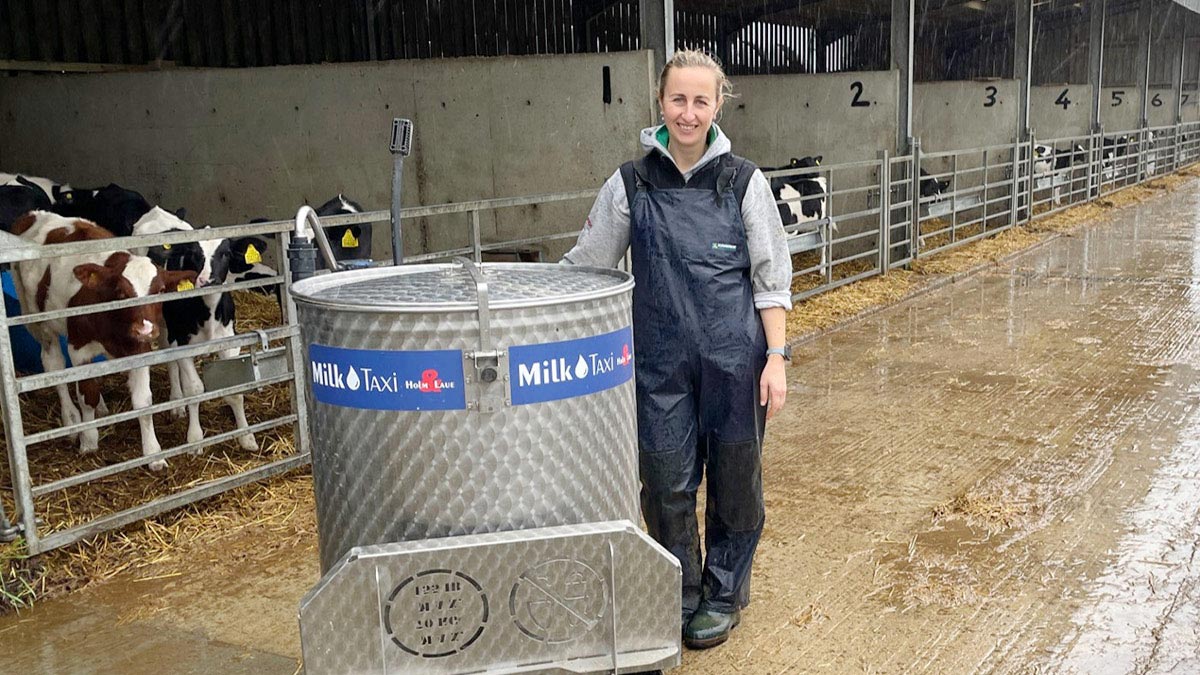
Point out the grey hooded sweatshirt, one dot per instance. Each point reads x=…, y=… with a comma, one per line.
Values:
x=605, y=235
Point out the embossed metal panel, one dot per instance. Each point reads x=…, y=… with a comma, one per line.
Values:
x=574, y=599
x=399, y=475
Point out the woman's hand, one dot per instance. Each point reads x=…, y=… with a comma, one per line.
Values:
x=772, y=388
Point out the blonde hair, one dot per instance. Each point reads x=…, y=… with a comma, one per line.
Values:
x=692, y=58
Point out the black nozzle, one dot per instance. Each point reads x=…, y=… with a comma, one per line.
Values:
x=302, y=257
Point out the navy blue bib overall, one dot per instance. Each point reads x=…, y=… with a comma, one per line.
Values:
x=700, y=353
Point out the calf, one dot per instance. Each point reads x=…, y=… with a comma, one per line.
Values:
x=932, y=188
x=112, y=207
x=246, y=263
x=800, y=198
x=1114, y=148
x=1150, y=159
x=17, y=200
x=198, y=319
x=74, y=281
x=1073, y=158
x=1066, y=163
x=49, y=188
x=349, y=242
x=1043, y=159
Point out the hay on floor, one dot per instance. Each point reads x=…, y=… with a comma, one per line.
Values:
x=146, y=543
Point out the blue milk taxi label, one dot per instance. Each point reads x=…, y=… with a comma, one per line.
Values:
x=558, y=370
x=387, y=380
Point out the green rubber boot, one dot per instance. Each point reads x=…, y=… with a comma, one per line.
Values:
x=709, y=628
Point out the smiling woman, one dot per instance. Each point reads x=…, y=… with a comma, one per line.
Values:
x=712, y=269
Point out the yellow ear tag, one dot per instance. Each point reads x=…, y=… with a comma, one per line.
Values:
x=349, y=240
x=185, y=285
x=166, y=247
x=252, y=255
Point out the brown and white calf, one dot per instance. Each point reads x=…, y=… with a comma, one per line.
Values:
x=74, y=281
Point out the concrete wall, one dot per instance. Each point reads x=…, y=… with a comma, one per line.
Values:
x=1164, y=113
x=959, y=115
x=1191, y=105
x=778, y=117
x=1060, y=111
x=1120, y=109
x=233, y=144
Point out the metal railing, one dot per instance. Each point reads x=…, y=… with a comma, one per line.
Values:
x=875, y=217
x=15, y=393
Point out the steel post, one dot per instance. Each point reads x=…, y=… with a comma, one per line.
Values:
x=1029, y=183
x=14, y=435
x=1098, y=10
x=401, y=147
x=1144, y=28
x=1015, y=187
x=885, y=210
x=657, y=31
x=1023, y=62
x=914, y=225
x=903, y=12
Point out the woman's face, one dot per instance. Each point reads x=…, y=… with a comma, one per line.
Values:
x=689, y=104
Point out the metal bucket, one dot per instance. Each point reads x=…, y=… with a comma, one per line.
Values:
x=458, y=399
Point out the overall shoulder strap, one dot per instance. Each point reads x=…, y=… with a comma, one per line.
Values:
x=735, y=175
x=633, y=175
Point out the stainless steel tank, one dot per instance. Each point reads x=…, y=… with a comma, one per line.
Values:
x=458, y=399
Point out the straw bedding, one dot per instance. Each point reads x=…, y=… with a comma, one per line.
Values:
x=279, y=502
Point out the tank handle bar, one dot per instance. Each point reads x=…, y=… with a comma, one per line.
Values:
x=485, y=359
x=481, y=292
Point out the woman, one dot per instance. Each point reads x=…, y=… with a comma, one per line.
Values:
x=713, y=288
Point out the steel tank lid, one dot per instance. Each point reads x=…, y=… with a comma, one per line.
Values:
x=450, y=287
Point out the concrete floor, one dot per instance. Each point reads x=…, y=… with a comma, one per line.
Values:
x=997, y=476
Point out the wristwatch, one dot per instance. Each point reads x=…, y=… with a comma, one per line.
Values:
x=784, y=351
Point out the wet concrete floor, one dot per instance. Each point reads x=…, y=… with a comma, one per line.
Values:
x=998, y=476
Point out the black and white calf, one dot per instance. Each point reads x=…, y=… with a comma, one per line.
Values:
x=112, y=207
x=800, y=198
x=1043, y=159
x=349, y=242
x=51, y=189
x=1069, y=159
x=932, y=188
x=17, y=200
x=1112, y=164
x=245, y=260
x=195, y=320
